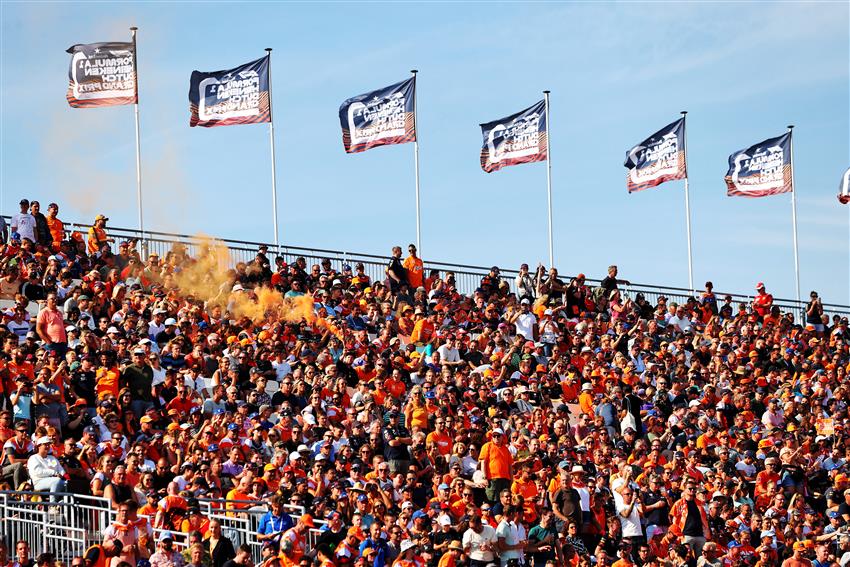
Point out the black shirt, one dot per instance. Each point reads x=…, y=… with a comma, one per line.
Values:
x=83, y=384
x=394, y=266
x=400, y=452
x=658, y=516
x=693, y=523
x=568, y=502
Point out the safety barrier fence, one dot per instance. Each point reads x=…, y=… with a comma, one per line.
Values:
x=467, y=277
x=71, y=523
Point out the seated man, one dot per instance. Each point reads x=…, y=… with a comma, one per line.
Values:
x=45, y=471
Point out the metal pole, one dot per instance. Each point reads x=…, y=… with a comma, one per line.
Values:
x=794, y=215
x=416, y=163
x=274, y=174
x=549, y=180
x=133, y=31
x=688, y=208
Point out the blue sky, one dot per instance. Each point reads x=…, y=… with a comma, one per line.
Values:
x=617, y=72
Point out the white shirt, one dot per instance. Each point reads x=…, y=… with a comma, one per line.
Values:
x=24, y=224
x=749, y=470
x=44, y=467
x=525, y=325
x=684, y=324
x=282, y=369
x=630, y=525
x=474, y=540
x=448, y=354
x=510, y=532
x=771, y=419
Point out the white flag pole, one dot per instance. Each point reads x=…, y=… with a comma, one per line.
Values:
x=274, y=174
x=416, y=163
x=794, y=214
x=133, y=31
x=549, y=180
x=688, y=207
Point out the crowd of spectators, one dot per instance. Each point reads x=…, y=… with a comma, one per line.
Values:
x=544, y=424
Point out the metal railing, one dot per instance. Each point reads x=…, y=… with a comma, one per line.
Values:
x=75, y=522
x=467, y=277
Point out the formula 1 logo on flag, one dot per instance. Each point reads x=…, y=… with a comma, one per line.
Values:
x=379, y=118
x=761, y=170
x=102, y=74
x=659, y=158
x=231, y=97
x=515, y=139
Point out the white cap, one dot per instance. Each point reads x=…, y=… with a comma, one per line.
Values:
x=498, y=430
x=44, y=440
x=445, y=520
x=170, y=321
x=407, y=544
x=111, y=330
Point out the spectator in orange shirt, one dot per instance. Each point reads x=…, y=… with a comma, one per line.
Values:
x=56, y=226
x=107, y=376
x=413, y=265
x=440, y=437
x=526, y=487
x=423, y=330
x=585, y=399
x=496, y=461
x=97, y=235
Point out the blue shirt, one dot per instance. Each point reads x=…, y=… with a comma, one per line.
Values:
x=271, y=524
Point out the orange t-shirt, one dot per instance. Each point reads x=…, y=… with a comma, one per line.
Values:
x=443, y=441
x=423, y=330
x=107, y=382
x=395, y=388
x=57, y=231
x=497, y=460
x=528, y=490
x=585, y=402
x=414, y=271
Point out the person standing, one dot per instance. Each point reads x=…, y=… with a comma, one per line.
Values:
x=510, y=538
x=219, y=547
x=479, y=542
x=122, y=529
x=396, y=274
x=542, y=540
x=42, y=230
x=413, y=265
x=689, y=520
x=23, y=222
x=55, y=226
x=139, y=378
x=566, y=501
x=496, y=461
x=50, y=327
x=630, y=512
x=397, y=441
